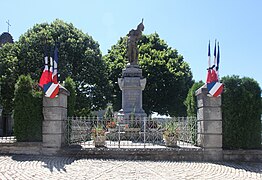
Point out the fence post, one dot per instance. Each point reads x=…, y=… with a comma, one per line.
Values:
x=209, y=123
x=55, y=116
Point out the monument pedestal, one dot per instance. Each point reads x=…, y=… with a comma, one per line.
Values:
x=132, y=84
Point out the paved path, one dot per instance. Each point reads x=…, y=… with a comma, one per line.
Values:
x=51, y=167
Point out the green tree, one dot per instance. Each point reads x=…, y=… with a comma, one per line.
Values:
x=191, y=101
x=79, y=57
x=241, y=102
x=8, y=77
x=168, y=75
x=27, y=111
x=69, y=84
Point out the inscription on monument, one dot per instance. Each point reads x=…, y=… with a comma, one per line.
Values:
x=132, y=99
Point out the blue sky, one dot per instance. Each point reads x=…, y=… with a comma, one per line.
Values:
x=186, y=25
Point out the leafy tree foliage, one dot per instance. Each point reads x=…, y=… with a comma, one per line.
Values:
x=79, y=57
x=168, y=75
x=191, y=101
x=8, y=77
x=241, y=102
x=69, y=84
x=28, y=115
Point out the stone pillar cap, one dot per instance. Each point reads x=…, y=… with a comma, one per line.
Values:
x=202, y=90
x=63, y=90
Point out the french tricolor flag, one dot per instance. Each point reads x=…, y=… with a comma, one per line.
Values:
x=54, y=75
x=46, y=76
x=48, y=80
x=214, y=87
x=51, y=89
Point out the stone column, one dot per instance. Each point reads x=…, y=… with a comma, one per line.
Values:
x=209, y=123
x=55, y=115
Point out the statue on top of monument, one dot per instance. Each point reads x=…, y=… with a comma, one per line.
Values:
x=133, y=38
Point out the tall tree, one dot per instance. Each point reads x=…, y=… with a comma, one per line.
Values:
x=8, y=62
x=79, y=57
x=168, y=75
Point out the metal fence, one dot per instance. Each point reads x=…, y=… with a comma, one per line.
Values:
x=131, y=133
x=7, y=139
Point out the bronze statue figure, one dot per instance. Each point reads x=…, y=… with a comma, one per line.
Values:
x=133, y=38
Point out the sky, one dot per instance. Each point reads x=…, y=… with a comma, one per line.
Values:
x=185, y=25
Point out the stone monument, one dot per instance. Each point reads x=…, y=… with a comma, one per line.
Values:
x=132, y=82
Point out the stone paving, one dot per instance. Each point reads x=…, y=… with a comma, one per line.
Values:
x=52, y=167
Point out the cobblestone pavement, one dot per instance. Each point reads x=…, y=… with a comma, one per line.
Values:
x=51, y=167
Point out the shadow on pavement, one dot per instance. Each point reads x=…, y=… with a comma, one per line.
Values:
x=50, y=162
x=255, y=167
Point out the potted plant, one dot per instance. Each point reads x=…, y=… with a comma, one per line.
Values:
x=109, y=118
x=171, y=133
x=132, y=128
x=133, y=125
x=99, y=136
x=111, y=126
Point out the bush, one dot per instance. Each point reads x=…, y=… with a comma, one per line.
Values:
x=28, y=115
x=191, y=100
x=191, y=105
x=69, y=84
x=241, y=103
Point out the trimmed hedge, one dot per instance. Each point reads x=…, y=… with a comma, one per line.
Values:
x=28, y=115
x=241, y=110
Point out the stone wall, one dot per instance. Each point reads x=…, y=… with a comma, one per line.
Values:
x=167, y=154
x=34, y=148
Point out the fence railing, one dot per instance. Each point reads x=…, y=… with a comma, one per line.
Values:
x=124, y=133
x=7, y=139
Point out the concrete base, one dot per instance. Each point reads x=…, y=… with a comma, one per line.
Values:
x=132, y=84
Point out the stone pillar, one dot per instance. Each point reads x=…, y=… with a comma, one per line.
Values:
x=209, y=123
x=132, y=84
x=55, y=115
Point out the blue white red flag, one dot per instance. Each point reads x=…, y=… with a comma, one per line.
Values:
x=214, y=87
x=51, y=89
x=209, y=57
x=211, y=76
x=218, y=57
x=48, y=80
x=46, y=76
x=54, y=75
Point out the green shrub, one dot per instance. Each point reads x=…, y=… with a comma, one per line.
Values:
x=69, y=84
x=191, y=104
x=191, y=101
x=109, y=113
x=28, y=115
x=241, y=102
